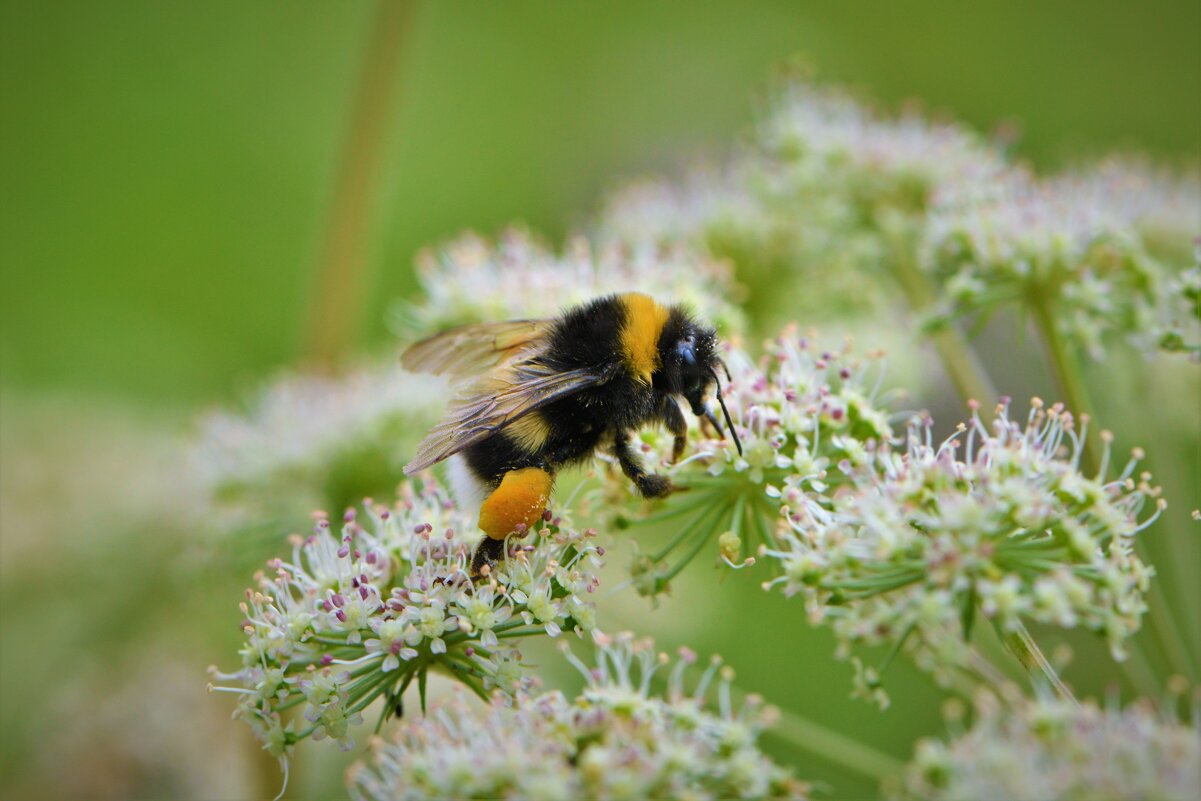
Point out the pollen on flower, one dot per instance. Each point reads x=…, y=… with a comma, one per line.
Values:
x=362, y=611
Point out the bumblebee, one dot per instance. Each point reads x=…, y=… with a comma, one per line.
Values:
x=544, y=394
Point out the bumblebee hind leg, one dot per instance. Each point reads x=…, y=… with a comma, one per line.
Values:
x=512, y=508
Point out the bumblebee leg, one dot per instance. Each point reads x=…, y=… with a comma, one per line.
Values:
x=517, y=502
x=488, y=552
x=677, y=424
x=651, y=485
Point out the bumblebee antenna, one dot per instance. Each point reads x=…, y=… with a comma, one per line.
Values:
x=725, y=411
x=725, y=369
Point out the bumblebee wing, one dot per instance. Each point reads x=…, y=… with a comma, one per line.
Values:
x=497, y=400
x=473, y=349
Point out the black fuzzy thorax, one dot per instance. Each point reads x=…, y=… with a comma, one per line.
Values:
x=588, y=336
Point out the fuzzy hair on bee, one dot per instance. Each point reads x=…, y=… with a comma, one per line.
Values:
x=540, y=395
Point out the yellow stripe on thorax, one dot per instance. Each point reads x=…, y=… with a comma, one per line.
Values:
x=640, y=334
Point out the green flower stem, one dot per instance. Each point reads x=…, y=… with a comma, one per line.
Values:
x=834, y=747
x=398, y=695
x=341, y=277
x=692, y=552
x=456, y=637
x=962, y=364
x=465, y=675
x=1069, y=376
x=988, y=671
x=1023, y=646
x=532, y=631
x=686, y=531
x=371, y=689
x=1137, y=669
x=764, y=512
x=676, y=510
x=1176, y=644
x=883, y=582
x=896, y=649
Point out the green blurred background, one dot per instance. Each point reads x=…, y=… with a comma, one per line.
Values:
x=168, y=174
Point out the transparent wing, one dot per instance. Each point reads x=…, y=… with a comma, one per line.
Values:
x=473, y=349
x=498, y=400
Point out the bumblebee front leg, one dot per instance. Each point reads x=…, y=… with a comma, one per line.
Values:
x=651, y=485
x=677, y=424
x=512, y=508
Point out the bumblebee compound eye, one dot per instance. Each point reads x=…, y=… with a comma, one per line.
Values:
x=686, y=350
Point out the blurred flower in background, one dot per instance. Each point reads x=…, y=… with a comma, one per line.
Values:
x=518, y=277
x=324, y=441
x=1041, y=749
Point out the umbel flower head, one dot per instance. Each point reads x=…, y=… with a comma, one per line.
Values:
x=998, y=521
x=473, y=280
x=362, y=610
x=857, y=204
x=1062, y=242
x=1051, y=749
x=827, y=189
x=1164, y=205
x=616, y=740
x=797, y=411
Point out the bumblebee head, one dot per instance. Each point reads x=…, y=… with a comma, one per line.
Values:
x=688, y=353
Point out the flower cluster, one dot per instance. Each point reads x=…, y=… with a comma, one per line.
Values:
x=858, y=204
x=306, y=434
x=828, y=190
x=1062, y=245
x=1041, y=750
x=615, y=740
x=797, y=411
x=1179, y=316
x=1001, y=522
x=1164, y=205
x=901, y=162
x=473, y=280
x=361, y=612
